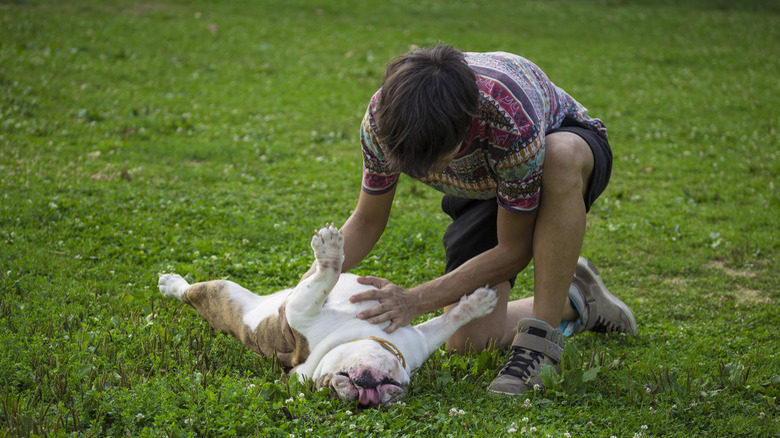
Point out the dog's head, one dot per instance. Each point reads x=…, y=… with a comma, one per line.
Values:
x=367, y=370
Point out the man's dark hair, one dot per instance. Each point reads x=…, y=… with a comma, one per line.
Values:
x=429, y=97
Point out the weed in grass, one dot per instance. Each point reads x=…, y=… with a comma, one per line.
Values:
x=733, y=375
x=575, y=371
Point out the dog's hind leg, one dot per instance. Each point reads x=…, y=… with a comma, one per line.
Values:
x=223, y=304
x=308, y=297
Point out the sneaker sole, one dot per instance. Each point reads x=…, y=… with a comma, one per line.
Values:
x=585, y=265
x=496, y=392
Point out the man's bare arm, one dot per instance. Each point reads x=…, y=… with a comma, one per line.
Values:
x=510, y=256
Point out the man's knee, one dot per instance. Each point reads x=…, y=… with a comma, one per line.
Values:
x=568, y=162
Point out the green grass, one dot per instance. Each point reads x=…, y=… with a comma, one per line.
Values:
x=211, y=138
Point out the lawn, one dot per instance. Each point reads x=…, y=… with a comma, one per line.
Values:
x=211, y=138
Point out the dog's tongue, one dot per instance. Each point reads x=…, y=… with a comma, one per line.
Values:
x=369, y=396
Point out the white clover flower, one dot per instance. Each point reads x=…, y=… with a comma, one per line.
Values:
x=140, y=416
x=643, y=427
x=301, y=395
x=348, y=413
x=511, y=430
x=537, y=387
x=289, y=400
x=567, y=434
x=532, y=429
x=524, y=420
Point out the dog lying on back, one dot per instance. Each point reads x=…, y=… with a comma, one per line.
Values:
x=312, y=328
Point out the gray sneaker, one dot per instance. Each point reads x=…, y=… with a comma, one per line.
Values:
x=536, y=343
x=600, y=311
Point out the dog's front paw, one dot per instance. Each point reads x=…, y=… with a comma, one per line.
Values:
x=172, y=285
x=328, y=246
x=477, y=304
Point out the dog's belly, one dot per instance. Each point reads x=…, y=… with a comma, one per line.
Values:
x=338, y=300
x=337, y=303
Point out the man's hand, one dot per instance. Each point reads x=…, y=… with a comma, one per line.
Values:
x=395, y=303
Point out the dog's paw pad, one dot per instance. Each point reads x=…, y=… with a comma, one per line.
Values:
x=479, y=303
x=328, y=244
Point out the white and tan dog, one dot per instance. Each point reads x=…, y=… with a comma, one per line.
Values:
x=313, y=329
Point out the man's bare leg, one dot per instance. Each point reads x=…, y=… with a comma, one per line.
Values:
x=560, y=226
x=558, y=236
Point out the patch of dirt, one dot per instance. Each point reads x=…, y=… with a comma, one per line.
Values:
x=742, y=294
x=719, y=265
x=750, y=296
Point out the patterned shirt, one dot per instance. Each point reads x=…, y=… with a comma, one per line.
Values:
x=503, y=156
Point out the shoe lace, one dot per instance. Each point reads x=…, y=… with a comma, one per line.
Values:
x=520, y=362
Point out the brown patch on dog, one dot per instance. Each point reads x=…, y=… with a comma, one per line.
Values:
x=289, y=346
x=270, y=339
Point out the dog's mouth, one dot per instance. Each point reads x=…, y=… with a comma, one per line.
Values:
x=368, y=390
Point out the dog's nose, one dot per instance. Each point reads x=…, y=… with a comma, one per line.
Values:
x=366, y=380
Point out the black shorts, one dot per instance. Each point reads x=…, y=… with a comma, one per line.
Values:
x=473, y=228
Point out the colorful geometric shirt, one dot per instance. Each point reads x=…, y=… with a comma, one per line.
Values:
x=504, y=154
